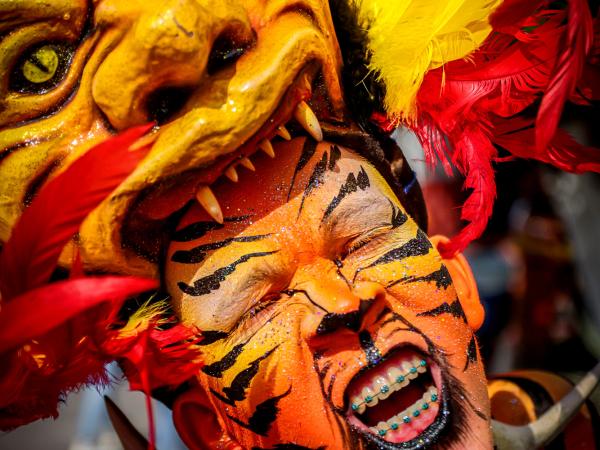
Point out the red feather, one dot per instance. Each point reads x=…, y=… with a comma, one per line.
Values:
x=40, y=310
x=518, y=137
x=578, y=41
x=30, y=255
x=465, y=105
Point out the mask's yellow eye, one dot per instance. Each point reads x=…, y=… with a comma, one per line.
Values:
x=41, y=68
x=41, y=65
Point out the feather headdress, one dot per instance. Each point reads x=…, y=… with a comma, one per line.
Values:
x=466, y=76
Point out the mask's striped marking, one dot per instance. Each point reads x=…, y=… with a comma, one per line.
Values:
x=453, y=308
x=212, y=282
x=308, y=150
x=264, y=415
x=441, y=277
x=353, y=183
x=368, y=345
x=237, y=391
x=198, y=254
x=198, y=229
x=471, y=353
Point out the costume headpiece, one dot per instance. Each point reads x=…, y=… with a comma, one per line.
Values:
x=468, y=76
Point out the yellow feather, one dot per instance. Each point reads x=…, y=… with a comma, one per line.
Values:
x=140, y=320
x=409, y=37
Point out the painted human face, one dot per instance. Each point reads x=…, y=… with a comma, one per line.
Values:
x=329, y=318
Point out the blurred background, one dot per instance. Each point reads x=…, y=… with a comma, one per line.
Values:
x=537, y=268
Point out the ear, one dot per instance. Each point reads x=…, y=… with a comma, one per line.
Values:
x=197, y=423
x=464, y=283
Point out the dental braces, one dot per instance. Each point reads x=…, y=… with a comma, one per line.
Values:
x=386, y=388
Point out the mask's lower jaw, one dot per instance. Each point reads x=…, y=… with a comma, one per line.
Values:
x=398, y=403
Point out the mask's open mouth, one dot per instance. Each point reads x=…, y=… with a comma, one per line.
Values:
x=399, y=400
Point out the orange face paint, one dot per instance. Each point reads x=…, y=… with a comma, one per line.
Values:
x=330, y=319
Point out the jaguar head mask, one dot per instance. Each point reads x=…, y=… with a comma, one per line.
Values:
x=281, y=221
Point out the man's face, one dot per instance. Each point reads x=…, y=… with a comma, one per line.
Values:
x=329, y=318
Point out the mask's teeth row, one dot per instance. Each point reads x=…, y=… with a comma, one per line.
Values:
x=303, y=114
x=421, y=406
x=385, y=385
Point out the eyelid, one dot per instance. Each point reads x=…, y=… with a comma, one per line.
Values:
x=356, y=242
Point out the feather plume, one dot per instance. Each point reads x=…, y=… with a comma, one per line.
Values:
x=409, y=37
x=57, y=337
x=578, y=41
x=469, y=106
x=30, y=255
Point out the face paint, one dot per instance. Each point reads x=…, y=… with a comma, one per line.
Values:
x=332, y=322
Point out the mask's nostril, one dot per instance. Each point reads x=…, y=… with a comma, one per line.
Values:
x=164, y=103
x=227, y=49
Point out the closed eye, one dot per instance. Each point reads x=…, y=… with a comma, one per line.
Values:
x=357, y=242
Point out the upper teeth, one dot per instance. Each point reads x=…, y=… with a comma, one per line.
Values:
x=383, y=387
x=305, y=117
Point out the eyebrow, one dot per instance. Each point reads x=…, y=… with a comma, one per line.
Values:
x=198, y=254
x=212, y=282
x=417, y=246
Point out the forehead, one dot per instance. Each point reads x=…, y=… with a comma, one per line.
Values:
x=308, y=185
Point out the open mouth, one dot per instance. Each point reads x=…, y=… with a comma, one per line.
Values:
x=398, y=401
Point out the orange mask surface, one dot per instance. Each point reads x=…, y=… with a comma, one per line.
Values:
x=330, y=319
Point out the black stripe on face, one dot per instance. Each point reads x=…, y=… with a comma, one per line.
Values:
x=237, y=391
x=441, y=277
x=371, y=351
x=216, y=369
x=352, y=184
x=212, y=282
x=334, y=156
x=286, y=446
x=453, y=308
x=198, y=229
x=308, y=150
x=471, y=353
x=398, y=217
x=198, y=254
x=263, y=417
x=212, y=336
x=417, y=246
x=316, y=179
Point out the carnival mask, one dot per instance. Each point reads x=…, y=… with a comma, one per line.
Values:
x=329, y=319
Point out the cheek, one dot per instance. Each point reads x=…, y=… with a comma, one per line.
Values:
x=278, y=397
